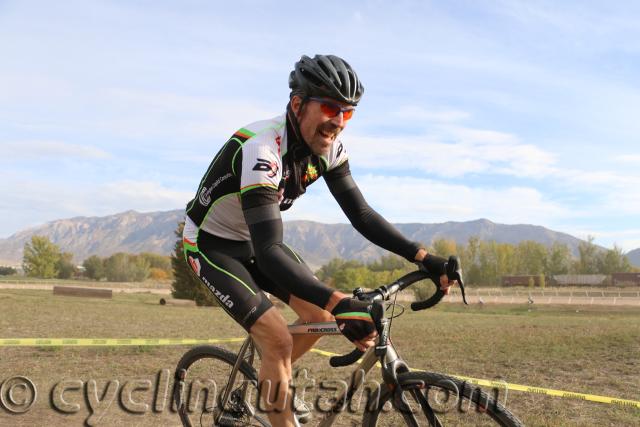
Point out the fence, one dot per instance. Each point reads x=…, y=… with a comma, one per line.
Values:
x=552, y=296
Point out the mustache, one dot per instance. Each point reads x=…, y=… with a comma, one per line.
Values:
x=330, y=128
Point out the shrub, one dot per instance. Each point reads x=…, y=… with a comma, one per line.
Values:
x=7, y=271
x=158, y=274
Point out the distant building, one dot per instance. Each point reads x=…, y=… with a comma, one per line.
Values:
x=522, y=280
x=616, y=279
x=580, y=280
x=622, y=279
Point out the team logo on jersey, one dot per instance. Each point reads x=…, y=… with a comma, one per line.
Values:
x=195, y=264
x=205, y=196
x=312, y=173
x=286, y=203
x=265, y=165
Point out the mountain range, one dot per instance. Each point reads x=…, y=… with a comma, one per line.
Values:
x=634, y=257
x=135, y=232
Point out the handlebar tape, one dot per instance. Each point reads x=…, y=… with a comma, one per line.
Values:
x=346, y=359
x=429, y=302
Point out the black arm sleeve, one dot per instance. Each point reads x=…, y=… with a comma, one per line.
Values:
x=368, y=222
x=262, y=214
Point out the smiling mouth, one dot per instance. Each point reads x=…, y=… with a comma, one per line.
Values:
x=330, y=135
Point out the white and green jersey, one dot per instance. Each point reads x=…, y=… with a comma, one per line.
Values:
x=257, y=155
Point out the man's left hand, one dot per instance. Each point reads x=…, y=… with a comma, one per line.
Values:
x=434, y=264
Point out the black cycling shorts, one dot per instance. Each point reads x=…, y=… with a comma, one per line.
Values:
x=229, y=270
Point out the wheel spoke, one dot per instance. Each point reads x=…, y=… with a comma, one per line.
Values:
x=205, y=378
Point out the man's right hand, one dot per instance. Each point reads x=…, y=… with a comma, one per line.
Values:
x=355, y=322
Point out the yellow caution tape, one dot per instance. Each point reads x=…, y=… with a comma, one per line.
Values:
x=325, y=353
x=111, y=342
x=64, y=342
x=528, y=389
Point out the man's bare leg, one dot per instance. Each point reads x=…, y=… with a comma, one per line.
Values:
x=307, y=313
x=274, y=340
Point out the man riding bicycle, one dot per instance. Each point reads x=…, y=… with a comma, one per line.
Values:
x=233, y=236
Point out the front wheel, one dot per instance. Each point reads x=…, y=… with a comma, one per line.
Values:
x=435, y=400
x=201, y=377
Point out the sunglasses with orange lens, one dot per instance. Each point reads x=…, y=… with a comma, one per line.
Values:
x=332, y=109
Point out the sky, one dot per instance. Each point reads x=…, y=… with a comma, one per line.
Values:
x=514, y=111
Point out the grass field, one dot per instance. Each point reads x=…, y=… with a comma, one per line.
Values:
x=150, y=283
x=591, y=349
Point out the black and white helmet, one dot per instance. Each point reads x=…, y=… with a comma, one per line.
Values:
x=326, y=76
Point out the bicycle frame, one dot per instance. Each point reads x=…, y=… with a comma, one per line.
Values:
x=396, y=375
x=392, y=364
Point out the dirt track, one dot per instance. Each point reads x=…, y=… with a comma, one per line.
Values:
x=114, y=289
x=627, y=301
x=408, y=296
x=560, y=300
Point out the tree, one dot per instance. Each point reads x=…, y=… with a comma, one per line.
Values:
x=94, y=267
x=469, y=256
x=388, y=263
x=121, y=267
x=493, y=260
x=186, y=284
x=444, y=248
x=140, y=268
x=613, y=261
x=558, y=259
x=158, y=274
x=116, y=266
x=40, y=258
x=328, y=272
x=588, y=260
x=157, y=261
x=348, y=279
x=531, y=257
x=66, y=267
x=7, y=271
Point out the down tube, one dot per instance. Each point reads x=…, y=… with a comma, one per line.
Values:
x=357, y=378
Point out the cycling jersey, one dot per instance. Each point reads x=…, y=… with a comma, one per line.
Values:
x=260, y=171
x=253, y=158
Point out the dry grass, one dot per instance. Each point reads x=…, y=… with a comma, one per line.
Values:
x=586, y=349
x=24, y=280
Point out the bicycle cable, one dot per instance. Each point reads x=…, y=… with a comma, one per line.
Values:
x=393, y=310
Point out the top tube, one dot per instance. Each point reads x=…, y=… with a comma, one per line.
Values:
x=319, y=328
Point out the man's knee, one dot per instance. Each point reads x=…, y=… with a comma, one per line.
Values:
x=309, y=312
x=317, y=316
x=272, y=335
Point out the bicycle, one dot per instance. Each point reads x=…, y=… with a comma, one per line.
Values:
x=406, y=397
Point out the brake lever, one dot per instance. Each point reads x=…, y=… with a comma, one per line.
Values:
x=454, y=272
